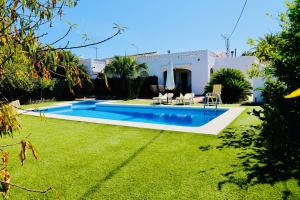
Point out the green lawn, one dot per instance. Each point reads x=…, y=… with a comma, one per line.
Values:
x=44, y=104
x=93, y=161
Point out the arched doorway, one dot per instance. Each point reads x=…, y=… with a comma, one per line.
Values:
x=182, y=79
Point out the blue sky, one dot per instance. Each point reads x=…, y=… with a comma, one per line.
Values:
x=161, y=25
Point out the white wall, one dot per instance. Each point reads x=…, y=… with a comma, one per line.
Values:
x=241, y=62
x=196, y=61
x=93, y=66
x=199, y=62
x=98, y=65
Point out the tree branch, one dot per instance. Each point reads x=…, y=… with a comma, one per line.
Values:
x=27, y=189
x=67, y=33
x=85, y=45
x=14, y=144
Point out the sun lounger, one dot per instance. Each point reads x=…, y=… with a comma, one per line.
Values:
x=179, y=99
x=188, y=98
x=167, y=98
x=157, y=99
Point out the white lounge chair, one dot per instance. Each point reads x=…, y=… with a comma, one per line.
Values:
x=179, y=99
x=167, y=98
x=188, y=98
x=157, y=99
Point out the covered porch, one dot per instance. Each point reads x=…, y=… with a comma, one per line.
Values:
x=183, y=80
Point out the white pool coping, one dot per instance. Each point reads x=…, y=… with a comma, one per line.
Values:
x=213, y=127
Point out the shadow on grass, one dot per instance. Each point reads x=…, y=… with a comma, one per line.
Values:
x=261, y=162
x=88, y=194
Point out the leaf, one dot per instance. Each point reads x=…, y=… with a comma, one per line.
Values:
x=5, y=157
x=34, y=152
x=57, y=196
x=27, y=145
x=5, y=182
x=9, y=119
x=3, y=39
x=16, y=30
x=15, y=4
x=43, y=116
x=106, y=82
x=22, y=154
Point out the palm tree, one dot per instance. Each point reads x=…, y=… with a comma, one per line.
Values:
x=128, y=71
x=125, y=67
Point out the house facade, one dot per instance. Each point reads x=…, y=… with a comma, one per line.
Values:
x=192, y=69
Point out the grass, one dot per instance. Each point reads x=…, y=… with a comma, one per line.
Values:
x=93, y=161
x=43, y=104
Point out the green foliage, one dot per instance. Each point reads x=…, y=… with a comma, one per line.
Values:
x=19, y=36
x=235, y=87
x=248, y=53
x=281, y=54
x=28, y=85
x=17, y=80
x=254, y=71
x=265, y=47
x=68, y=63
x=26, y=64
x=279, y=140
x=9, y=121
x=130, y=73
x=16, y=76
x=281, y=116
x=264, y=50
x=125, y=67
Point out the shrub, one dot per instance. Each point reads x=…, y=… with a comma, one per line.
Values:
x=140, y=85
x=281, y=116
x=235, y=87
x=130, y=74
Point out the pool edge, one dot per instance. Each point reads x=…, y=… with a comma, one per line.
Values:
x=213, y=127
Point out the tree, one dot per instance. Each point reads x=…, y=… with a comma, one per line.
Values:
x=61, y=83
x=283, y=71
x=281, y=55
x=273, y=151
x=128, y=71
x=20, y=42
x=20, y=36
x=125, y=67
x=16, y=79
x=264, y=47
x=270, y=153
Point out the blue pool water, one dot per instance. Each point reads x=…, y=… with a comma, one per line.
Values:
x=178, y=116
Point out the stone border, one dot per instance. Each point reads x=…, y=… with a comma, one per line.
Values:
x=213, y=127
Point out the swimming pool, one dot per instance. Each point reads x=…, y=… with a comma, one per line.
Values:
x=176, y=116
x=161, y=117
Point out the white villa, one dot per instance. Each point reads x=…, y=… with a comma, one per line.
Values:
x=192, y=69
